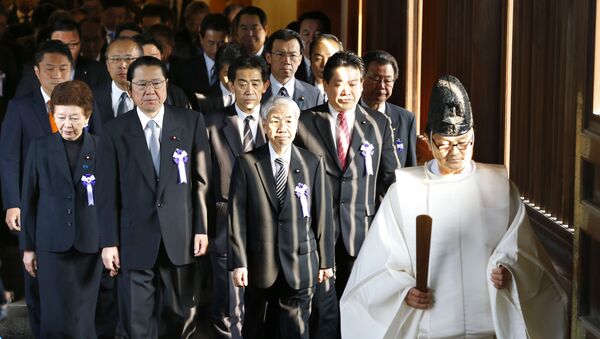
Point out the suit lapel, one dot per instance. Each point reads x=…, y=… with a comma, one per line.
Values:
x=295, y=173
x=230, y=130
x=265, y=172
x=141, y=154
x=104, y=103
x=60, y=156
x=260, y=139
x=171, y=140
x=298, y=93
x=85, y=159
x=324, y=127
x=360, y=130
x=39, y=107
x=268, y=93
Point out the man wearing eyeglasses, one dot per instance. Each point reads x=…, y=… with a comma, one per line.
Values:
x=489, y=277
x=153, y=190
x=112, y=98
x=283, y=52
x=381, y=74
x=89, y=71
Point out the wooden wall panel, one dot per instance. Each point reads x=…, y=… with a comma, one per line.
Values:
x=465, y=38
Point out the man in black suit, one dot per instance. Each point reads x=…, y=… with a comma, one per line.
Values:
x=112, y=98
x=155, y=163
x=310, y=25
x=281, y=228
x=89, y=71
x=28, y=118
x=197, y=75
x=186, y=39
x=152, y=47
x=381, y=73
x=232, y=131
x=360, y=159
x=283, y=51
x=251, y=29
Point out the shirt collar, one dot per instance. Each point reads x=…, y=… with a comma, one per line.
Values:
x=116, y=90
x=286, y=156
x=276, y=86
x=242, y=115
x=350, y=112
x=381, y=108
x=224, y=90
x=44, y=95
x=144, y=119
x=210, y=63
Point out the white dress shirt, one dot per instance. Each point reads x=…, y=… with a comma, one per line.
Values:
x=158, y=118
x=286, y=157
x=228, y=96
x=210, y=65
x=115, y=97
x=276, y=86
x=241, y=115
x=46, y=99
x=350, y=116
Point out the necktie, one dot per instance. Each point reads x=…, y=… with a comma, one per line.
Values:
x=248, y=142
x=213, y=75
x=283, y=92
x=122, y=104
x=154, y=145
x=280, y=181
x=51, y=118
x=343, y=138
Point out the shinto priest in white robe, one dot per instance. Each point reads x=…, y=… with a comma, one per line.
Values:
x=479, y=223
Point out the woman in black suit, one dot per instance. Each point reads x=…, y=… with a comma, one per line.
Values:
x=59, y=220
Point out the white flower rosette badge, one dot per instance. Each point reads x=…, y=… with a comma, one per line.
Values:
x=89, y=181
x=302, y=192
x=180, y=158
x=367, y=150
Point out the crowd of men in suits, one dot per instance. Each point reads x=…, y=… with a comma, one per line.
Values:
x=230, y=158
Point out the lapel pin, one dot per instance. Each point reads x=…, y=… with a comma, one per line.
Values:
x=301, y=98
x=174, y=138
x=86, y=157
x=296, y=171
x=364, y=122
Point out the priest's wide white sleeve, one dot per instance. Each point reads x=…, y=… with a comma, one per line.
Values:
x=534, y=305
x=373, y=303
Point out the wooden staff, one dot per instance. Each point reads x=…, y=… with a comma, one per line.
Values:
x=423, y=245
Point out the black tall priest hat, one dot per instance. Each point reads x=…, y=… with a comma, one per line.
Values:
x=449, y=108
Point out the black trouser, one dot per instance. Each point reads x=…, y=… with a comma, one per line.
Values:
x=32, y=298
x=226, y=300
x=156, y=302
x=277, y=312
x=69, y=283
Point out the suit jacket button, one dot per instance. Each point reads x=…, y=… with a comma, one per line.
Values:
x=69, y=211
x=69, y=224
x=280, y=223
x=342, y=202
x=69, y=197
x=159, y=204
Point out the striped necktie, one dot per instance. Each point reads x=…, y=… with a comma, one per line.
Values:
x=248, y=140
x=280, y=180
x=343, y=138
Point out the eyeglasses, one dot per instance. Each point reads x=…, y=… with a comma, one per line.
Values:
x=120, y=59
x=388, y=81
x=142, y=85
x=283, y=55
x=447, y=147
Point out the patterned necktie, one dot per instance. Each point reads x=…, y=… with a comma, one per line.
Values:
x=248, y=143
x=280, y=181
x=53, y=126
x=122, y=104
x=283, y=92
x=343, y=138
x=213, y=76
x=154, y=145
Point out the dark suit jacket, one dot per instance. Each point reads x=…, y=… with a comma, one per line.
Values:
x=225, y=147
x=265, y=237
x=103, y=100
x=304, y=73
x=192, y=77
x=140, y=210
x=305, y=95
x=213, y=101
x=355, y=194
x=89, y=71
x=405, y=133
x=55, y=214
x=26, y=119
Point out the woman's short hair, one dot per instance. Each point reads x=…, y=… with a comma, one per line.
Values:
x=73, y=93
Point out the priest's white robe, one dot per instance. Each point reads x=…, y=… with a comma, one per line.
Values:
x=479, y=223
